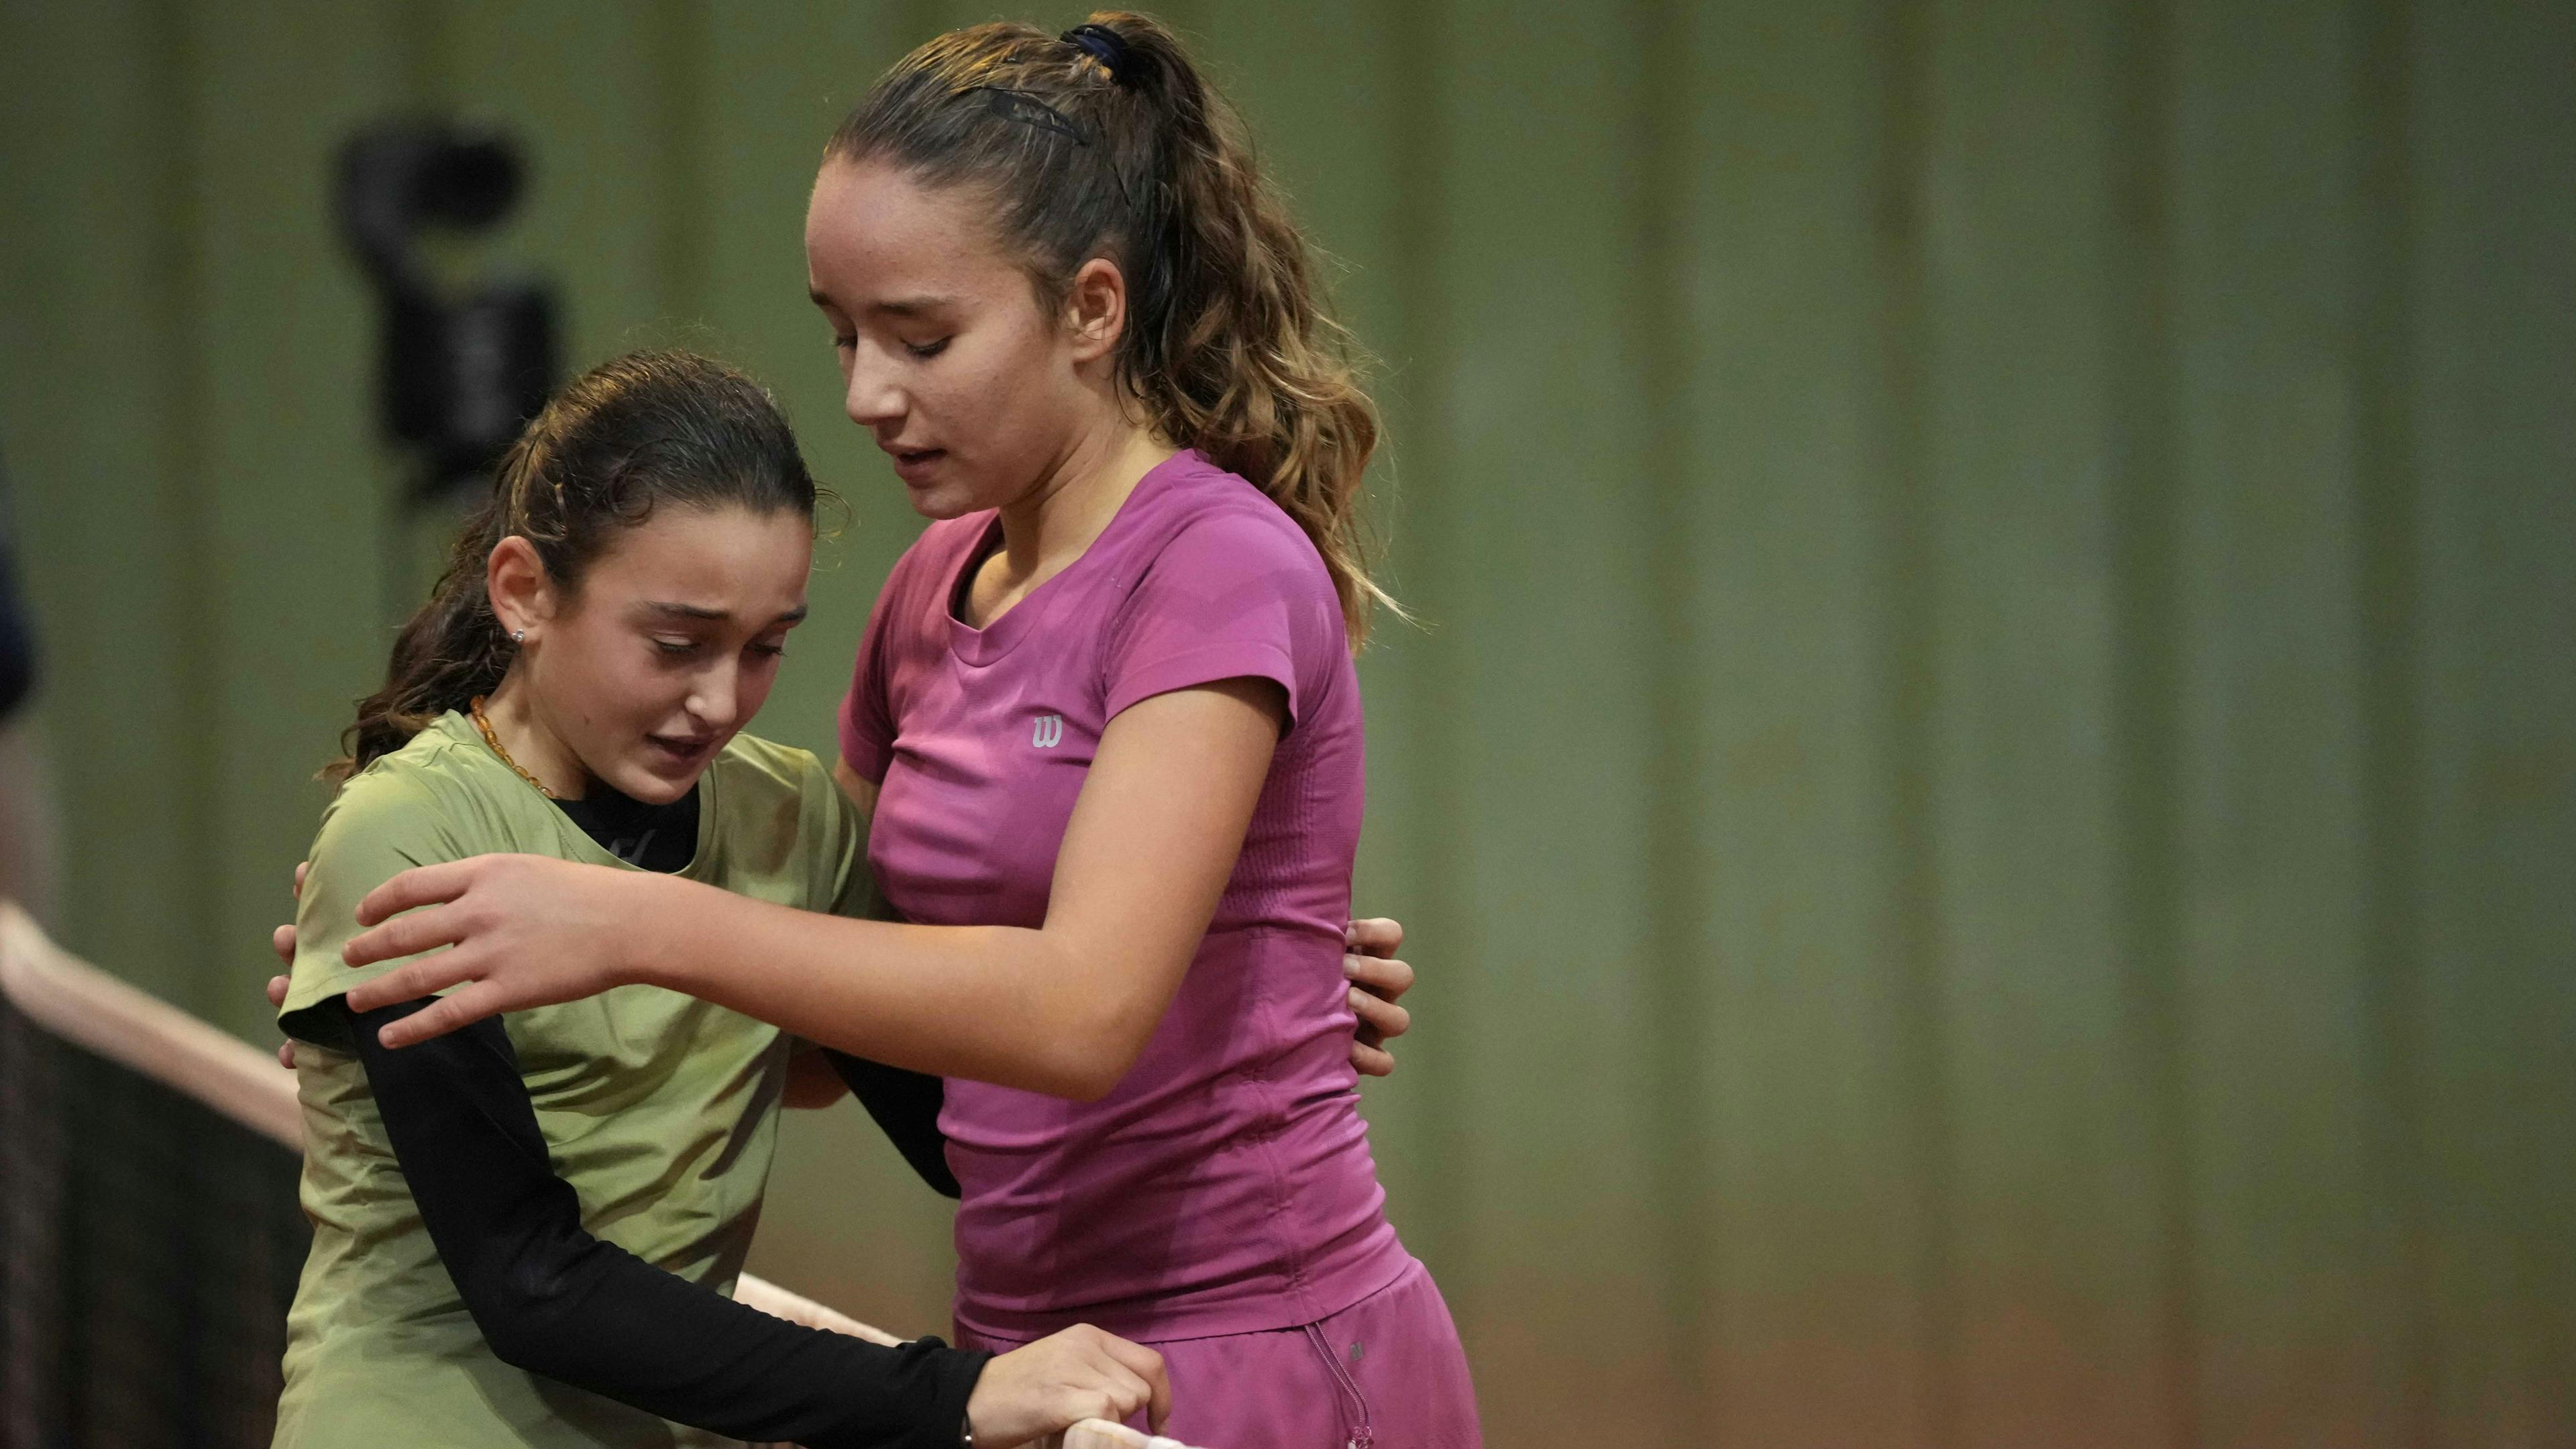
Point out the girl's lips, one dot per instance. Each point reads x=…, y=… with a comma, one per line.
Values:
x=681, y=753
x=913, y=465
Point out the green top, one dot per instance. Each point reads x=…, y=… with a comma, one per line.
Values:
x=658, y=1109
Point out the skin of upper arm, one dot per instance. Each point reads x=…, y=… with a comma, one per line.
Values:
x=1153, y=839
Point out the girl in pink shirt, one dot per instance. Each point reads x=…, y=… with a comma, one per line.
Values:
x=1107, y=726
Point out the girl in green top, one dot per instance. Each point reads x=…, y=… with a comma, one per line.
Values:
x=527, y=1237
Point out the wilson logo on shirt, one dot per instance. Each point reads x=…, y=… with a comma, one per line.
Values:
x=1049, y=732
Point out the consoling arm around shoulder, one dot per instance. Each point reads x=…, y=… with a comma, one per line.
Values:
x=1064, y=1008
x=553, y=1300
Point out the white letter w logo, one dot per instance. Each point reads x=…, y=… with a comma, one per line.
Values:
x=1049, y=733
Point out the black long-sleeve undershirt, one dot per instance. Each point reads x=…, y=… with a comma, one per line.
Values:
x=906, y=1105
x=553, y=1300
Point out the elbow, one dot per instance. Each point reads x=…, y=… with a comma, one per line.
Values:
x=1076, y=1071
x=1081, y=1037
x=1086, y=1080
x=1089, y=1060
x=523, y=1326
x=520, y=1343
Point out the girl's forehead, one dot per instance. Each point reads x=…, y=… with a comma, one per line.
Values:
x=870, y=228
x=733, y=555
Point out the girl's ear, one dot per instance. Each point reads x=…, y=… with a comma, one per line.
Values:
x=514, y=579
x=1096, y=309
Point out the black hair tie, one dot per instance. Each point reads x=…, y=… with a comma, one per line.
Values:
x=1106, y=46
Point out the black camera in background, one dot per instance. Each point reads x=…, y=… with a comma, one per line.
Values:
x=458, y=371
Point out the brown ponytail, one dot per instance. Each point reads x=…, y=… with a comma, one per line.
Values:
x=1106, y=142
x=642, y=430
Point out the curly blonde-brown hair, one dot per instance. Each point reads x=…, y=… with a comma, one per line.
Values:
x=1105, y=142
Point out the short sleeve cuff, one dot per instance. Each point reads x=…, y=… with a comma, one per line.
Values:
x=865, y=754
x=315, y=981
x=1234, y=659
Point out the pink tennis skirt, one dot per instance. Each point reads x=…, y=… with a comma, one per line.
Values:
x=1384, y=1373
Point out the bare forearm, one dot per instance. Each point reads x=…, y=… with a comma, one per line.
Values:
x=1064, y=1009
x=997, y=1004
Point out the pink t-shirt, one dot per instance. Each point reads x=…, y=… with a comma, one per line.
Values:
x=1225, y=1186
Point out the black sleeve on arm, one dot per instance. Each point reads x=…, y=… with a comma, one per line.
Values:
x=553, y=1300
x=906, y=1105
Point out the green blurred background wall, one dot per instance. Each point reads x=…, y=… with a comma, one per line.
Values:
x=1988, y=801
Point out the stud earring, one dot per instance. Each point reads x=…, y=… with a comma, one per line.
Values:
x=518, y=636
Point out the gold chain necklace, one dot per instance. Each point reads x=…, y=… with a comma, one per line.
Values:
x=475, y=707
